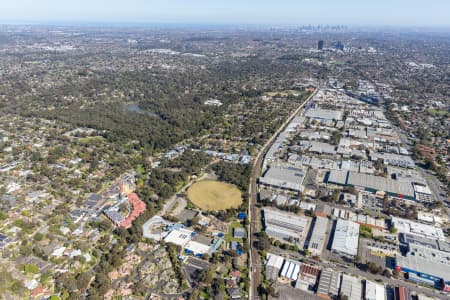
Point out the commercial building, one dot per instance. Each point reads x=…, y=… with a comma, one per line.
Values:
x=307, y=278
x=359, y=218
x=192, y=243
x=196, y=248
x=156, y=228
x=287, y=178
x=411, y=240
x=285, y=226
x=401, y=293
x=291, y=269
x=318, y=147
x=324, y=114
x=329, y=284
x=179, y=237
x=239, y=232
x=426, y=265
x=318, y=236
x=408, y=226
x=393, y=159
x=374, y=291
x=351, y=287
x=372, y=183
x=345, y=238
x=320, y=45
x=274, y=263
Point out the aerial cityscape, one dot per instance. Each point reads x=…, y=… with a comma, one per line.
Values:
x=201, y=160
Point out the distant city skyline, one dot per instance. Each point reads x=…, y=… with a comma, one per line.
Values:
x=252, y=12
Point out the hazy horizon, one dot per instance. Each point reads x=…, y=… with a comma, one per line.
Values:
x=401, y=13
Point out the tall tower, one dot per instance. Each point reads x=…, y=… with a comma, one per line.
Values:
x=320, y=45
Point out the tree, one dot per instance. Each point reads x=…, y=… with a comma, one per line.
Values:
x=206, y=276
x=83, y=279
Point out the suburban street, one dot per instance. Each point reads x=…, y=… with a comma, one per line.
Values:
x=253, y=211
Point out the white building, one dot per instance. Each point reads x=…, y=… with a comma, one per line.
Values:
x=290, y=270
x=273, y=266
x=408, y=226
x=374, y=291
x=346, y=237
x=351, y=287
x=179, y=237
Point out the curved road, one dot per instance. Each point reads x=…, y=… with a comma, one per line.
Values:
x=253, y=211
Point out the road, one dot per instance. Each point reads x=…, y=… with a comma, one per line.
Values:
x=253, y=211
x=170, y=203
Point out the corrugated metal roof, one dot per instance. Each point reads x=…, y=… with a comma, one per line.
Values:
x=346, y=237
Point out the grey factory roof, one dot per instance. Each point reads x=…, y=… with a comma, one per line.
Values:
x=330, y=281
x=373, y=182
x=346, y=237
x=425, y=264
x=239, y=232
x=284, y=225
x=380, y=183
x=318, y=147
x=413, y=239
x=284, y=177
x=393, y=159
x=326, y=114
x=317, y=239
x=338, y=177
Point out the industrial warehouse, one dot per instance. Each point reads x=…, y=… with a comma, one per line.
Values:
x=317, y=239
x=288, y=178
x=346, y=237
x=284, y=226
x=371, y=183
x=340, y=184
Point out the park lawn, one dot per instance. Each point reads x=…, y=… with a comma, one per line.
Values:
x=214, y=195
x=90, y=139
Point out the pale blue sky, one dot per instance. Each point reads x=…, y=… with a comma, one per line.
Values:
x=352, y=12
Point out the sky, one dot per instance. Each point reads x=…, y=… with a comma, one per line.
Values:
x=282, y=12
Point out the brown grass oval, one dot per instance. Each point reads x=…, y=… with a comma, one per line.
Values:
x=214, y=195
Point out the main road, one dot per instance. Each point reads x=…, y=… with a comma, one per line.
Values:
x=253, y=211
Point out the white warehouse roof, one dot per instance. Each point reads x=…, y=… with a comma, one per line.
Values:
x=197, y=248
x=375, y=291
x=346, y=237
x=408, y=226
x=291, y=270
x=274, y=261
x=179, y=237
